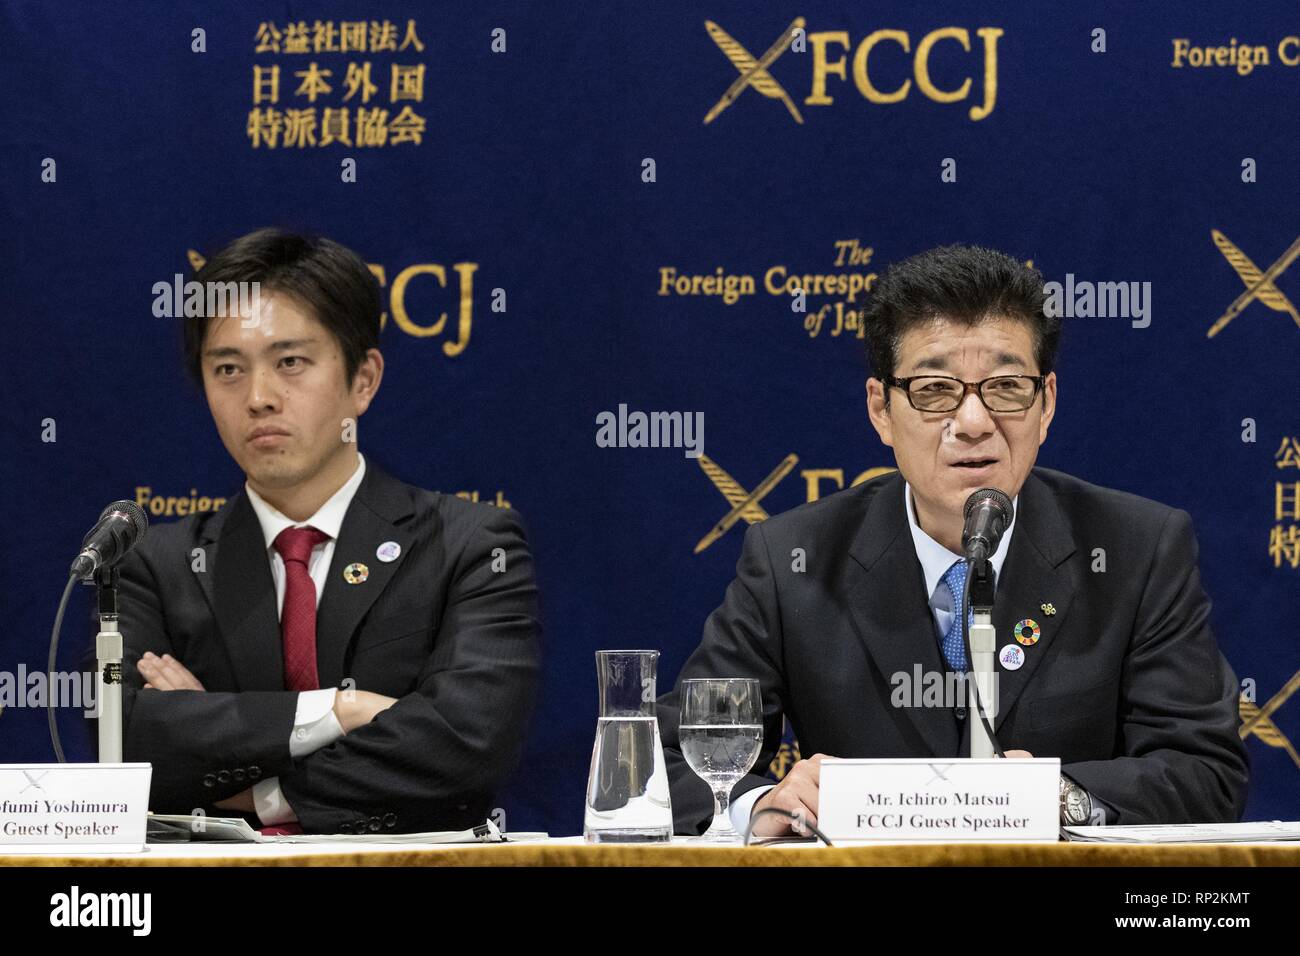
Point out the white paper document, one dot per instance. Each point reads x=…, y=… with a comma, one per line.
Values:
x=183, y=828
x=1259, y=832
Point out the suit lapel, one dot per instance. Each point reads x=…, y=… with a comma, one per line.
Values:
x=239, y=588
x=1032, y=576
x=891, y=611
x=238, y=585
x=374, y=516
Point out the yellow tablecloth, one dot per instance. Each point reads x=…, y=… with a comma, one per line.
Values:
x=572, y=852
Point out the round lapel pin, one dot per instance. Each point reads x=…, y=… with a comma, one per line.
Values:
x=388, y=551
x=1027, y=632
x=1012, y=657
x=356, y=573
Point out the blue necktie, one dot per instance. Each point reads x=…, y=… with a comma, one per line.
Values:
x=954, y=649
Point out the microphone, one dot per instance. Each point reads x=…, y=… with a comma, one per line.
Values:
x=120, y=527
x=988, y=513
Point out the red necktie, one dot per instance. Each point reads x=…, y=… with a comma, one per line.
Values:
x=298, y=617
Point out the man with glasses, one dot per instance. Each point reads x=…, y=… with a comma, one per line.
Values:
x=1109, y=660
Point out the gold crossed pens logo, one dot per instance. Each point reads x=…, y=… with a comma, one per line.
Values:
x=1259, y=285
x=1259, y=720
x=753, y=72
x=744, y=504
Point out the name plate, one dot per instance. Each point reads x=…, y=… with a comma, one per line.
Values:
x=946, y=801
x=56, y=807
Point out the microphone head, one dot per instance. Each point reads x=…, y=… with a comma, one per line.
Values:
x=131, y=511
x=119, y=527
x=123, y=510
x=997, y=498
x=988, y=513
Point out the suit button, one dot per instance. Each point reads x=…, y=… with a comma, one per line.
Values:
x=239, y=775
x=345, y=827
x=374, y=824
x=390, y=820
x=961, y=713
x=223, y=776
x=254, y=772
x=209, y=780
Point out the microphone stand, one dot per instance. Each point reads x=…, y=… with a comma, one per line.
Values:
x=108, y=651
x=983, y=650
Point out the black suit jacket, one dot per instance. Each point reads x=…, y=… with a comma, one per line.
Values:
x=455, y=640
x=1126, y=684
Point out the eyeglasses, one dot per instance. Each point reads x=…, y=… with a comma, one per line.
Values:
x=942, y=393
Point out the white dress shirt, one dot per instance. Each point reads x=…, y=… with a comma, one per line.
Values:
x=935, y=562
x=315, y=725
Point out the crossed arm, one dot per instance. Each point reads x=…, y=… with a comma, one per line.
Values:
x=351, y=708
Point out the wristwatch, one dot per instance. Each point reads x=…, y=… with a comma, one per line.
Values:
x=1076, y=805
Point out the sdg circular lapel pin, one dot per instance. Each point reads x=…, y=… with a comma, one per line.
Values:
x=1027, y=632
x=356, y=573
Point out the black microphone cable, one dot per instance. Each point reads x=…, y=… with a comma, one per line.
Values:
x=788, y=815
x=50, y=666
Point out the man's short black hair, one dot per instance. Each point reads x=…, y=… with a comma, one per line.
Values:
x=330, y=280
x=966, y=284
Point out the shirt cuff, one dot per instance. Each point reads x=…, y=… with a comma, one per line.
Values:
x=270, y=804
x=314, y=724
x=742, y=807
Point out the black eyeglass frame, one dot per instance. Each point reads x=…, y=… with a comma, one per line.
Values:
x=967, y=387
